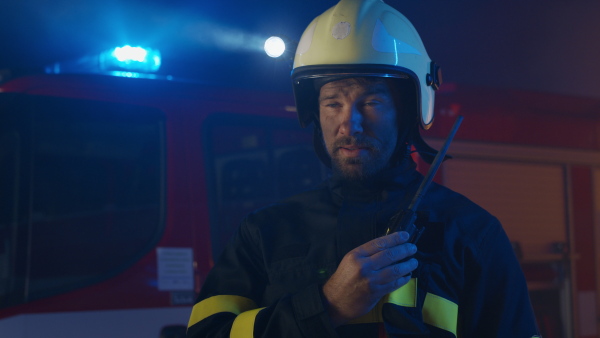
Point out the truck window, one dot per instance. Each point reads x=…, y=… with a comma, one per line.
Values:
x=253, y=161
x=81, y=192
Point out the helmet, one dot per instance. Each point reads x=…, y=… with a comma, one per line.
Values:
x=366, y=38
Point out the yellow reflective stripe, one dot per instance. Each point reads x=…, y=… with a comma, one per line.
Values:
x=404, y=296
x=437, y=311
x=440, y=312
x=243, y=325
x=221, y=303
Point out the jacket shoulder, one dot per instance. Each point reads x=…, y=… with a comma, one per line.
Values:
x=462, y=216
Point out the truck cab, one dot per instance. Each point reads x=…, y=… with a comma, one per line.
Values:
x=119, y=193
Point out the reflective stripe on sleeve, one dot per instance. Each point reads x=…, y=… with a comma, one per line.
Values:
x=243, y=325
x=404, y=296
x=221, y=303
x=440, y=312
x=437, y=311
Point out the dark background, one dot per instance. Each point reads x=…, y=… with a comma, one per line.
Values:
x=542, y=45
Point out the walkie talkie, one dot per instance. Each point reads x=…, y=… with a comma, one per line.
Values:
x=405, y=219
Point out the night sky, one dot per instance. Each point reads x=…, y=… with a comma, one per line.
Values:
x=541, y=45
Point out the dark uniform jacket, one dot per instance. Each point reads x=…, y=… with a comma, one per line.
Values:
x=268, y=281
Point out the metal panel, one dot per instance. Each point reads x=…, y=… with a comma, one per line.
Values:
x=529, y=199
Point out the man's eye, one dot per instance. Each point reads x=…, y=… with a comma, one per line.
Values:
x=371, y=103
x=332, y=105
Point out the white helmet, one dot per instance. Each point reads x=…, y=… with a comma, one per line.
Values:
x=366, y=38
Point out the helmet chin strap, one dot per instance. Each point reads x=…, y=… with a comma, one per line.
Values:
x=319, y=147
x=402, y=151
x=426, y=152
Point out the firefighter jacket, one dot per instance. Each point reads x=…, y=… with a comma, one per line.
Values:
x=268, y=281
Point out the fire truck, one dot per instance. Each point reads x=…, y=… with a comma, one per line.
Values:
x=119, y=190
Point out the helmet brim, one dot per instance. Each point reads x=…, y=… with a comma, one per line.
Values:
x=307, y=81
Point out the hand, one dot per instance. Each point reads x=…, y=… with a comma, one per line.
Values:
x=366, y=274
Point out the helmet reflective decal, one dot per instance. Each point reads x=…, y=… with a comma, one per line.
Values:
x=341, y=30
x=306, y=40
x=386, y=43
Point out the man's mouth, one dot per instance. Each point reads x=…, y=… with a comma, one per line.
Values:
x=352, y=151
x=348, y=147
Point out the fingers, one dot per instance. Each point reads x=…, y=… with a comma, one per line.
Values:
x=381, y=243
x=368, y=273
x=392, y=255
x=397, y=271
x=393, y=277
x=394, y=285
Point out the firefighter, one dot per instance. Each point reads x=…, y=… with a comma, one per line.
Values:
x=317, y=264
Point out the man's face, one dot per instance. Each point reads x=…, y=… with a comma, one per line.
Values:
x=358, y=120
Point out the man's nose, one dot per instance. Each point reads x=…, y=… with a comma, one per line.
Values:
x=352, y=121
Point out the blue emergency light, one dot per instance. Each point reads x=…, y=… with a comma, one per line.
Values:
x=131, y=59
x=126, y=61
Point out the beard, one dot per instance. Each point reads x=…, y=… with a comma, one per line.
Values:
x=362, y=168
